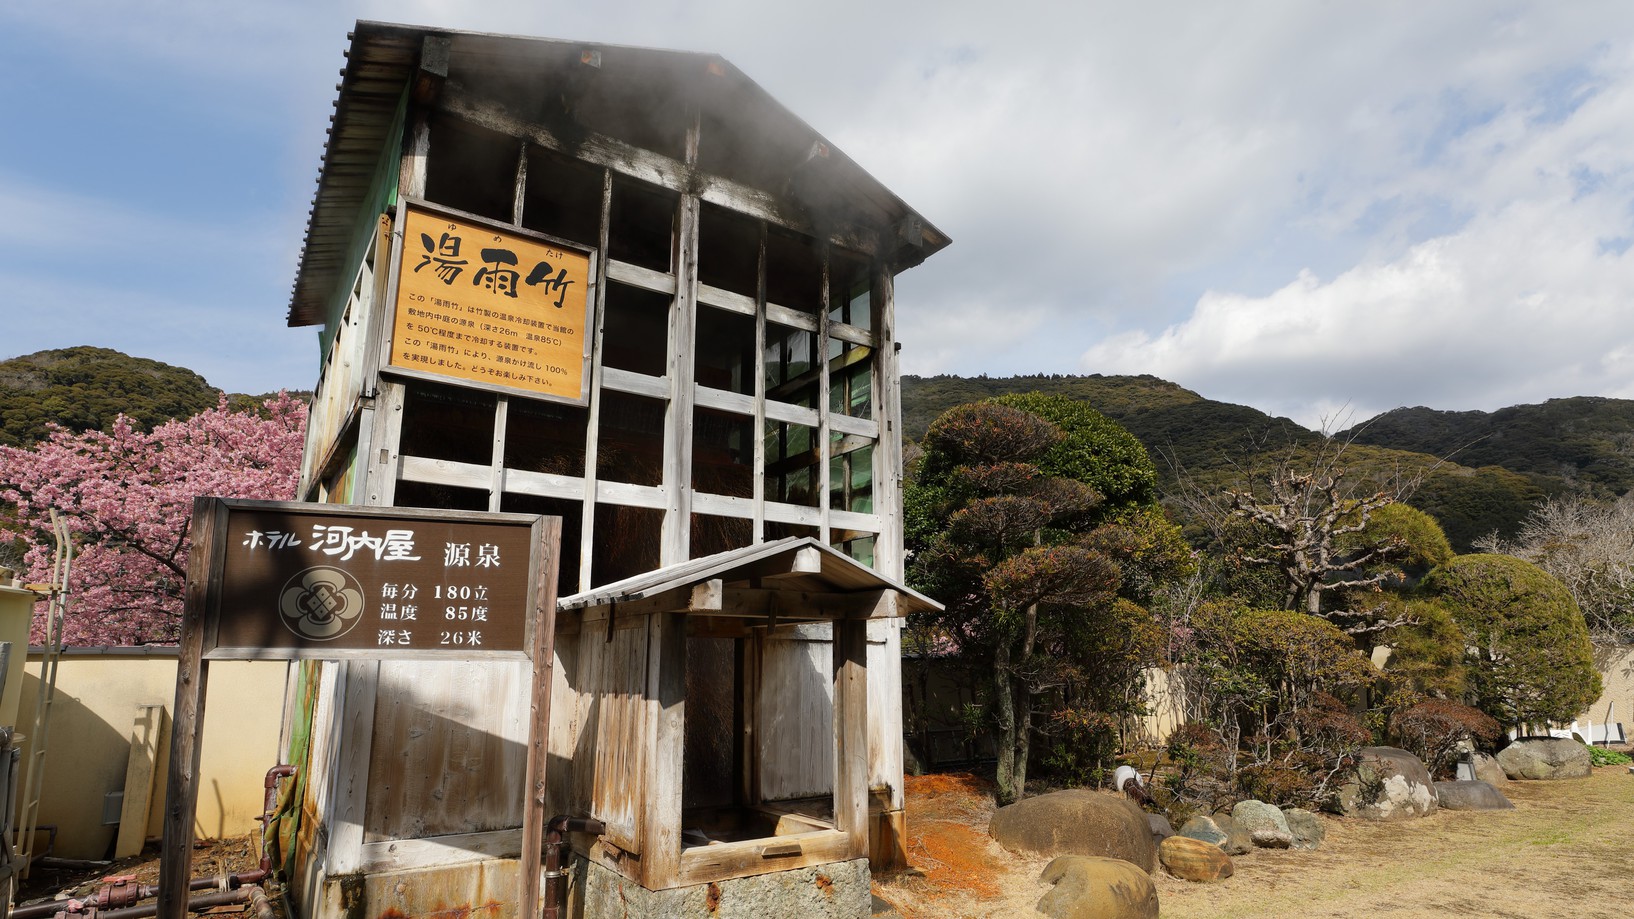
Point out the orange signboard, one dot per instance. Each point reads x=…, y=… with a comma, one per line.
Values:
x=491, y=304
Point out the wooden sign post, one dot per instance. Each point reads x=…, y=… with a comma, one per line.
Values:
x=288, y=581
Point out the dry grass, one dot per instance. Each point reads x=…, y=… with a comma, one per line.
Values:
x=1564, y=850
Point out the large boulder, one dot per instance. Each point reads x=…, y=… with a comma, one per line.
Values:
x=1220, y=830
x=1264, y=824
x=1390, y=784
x=1077, y=822
x=1546, y=758
x=1307, y=827
x=1097, y=888
x=1487, y=770
x=1193, y=859
x=1471, y=796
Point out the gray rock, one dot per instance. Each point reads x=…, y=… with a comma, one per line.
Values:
x=1077, y=822
x=1204, y=828
x=1546, y=758
x=1238, y=842
x=1264, y=823
x=1161, y=829
x=1307, y=827
x=1487, y=770
x=1471, y=796
x=1097, y=888
x=1390, y=784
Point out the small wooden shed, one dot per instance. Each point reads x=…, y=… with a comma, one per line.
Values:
x=714, y=714
x=628, y=288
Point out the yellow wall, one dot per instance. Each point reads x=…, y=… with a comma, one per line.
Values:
x=88, y=746
x=1616, y=666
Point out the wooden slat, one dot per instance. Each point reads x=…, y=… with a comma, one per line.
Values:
x=350, y=779
x=851, y=733
x=546, y=561
x=660, y=781
x=404, y=854
x=709, y=864
x=635, y=383
x=726, y=300
x=645, y=278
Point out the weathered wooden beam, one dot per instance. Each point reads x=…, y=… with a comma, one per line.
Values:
x=851, y=734
x=707, y=864
x=665, y=730
x=433, y=70
x=192, y=677
x=547, y=552
x=799, y=604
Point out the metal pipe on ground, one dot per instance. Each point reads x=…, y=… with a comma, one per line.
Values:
x=118, y=896
x=194, y=904
x=556, y=843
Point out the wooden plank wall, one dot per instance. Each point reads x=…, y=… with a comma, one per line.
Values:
x=596, y=729
x=450, y=749
x=796, y=713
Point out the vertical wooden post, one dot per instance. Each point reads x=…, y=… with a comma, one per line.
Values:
x=665, y=729
x=544, y=650
x=187, y=719
x=851, y=732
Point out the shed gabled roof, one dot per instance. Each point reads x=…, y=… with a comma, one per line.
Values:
x=812, y=581
x=755, y=142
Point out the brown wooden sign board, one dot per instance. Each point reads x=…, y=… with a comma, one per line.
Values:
x=287, y=580
x=481, y=303
x=292, y=580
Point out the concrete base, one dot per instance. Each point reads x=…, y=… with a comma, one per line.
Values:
x=838, y=890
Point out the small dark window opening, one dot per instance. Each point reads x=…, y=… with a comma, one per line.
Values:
x=631, y=443
x=849, y=283
x=626, y=542
x=723, y=453
x=448, y=423
x=794, y=272
x=728, y=251
x=642, y=225
x=444, y=497
x=636, y=330
x=791, y=356
x=563, y=198
x=725, y=351
x=712, y=534
x=572, y=514
x=545, y=437
x=792, y=460
x=471, y=169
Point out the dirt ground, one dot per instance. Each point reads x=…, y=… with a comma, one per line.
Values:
x=1564, y=850
x=210, y=858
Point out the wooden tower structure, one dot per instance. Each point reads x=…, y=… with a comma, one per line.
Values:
x=628, y=288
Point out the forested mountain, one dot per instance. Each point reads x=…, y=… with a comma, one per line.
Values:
x=1481, y=472
x=85, y=388
x=1585, y=441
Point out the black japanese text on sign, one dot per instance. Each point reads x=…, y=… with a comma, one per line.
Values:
x=316, y=581
x=490, y=304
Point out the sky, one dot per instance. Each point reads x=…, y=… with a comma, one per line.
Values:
x=1324, y=210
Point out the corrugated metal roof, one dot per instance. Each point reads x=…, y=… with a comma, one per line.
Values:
x=839, y=572
x=383, y=58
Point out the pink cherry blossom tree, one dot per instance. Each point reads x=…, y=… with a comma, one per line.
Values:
x=127, y=496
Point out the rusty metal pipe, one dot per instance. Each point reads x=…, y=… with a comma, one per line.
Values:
x=556, y=842
x=194, y=904
x=260, y=903
x=268, y=803
x=119, y=896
